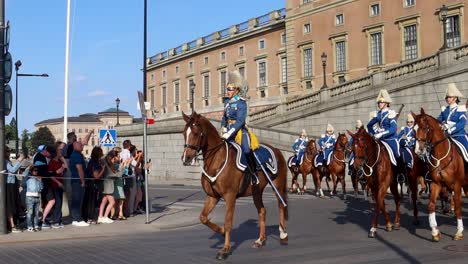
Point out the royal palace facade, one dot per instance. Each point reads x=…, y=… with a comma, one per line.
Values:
x=308, y=45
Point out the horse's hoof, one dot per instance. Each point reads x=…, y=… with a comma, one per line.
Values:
x=396, y=226
x=389, y=228
x=458, y=237
x=222, y=255
x=416, y=222
x=436, y=238
x=258, y=243
x=371, y=234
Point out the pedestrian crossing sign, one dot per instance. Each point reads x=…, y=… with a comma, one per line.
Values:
x=107, y=137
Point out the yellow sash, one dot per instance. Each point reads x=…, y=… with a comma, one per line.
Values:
x=254, y=143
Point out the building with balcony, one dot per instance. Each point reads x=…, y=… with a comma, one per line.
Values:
x=288, y=53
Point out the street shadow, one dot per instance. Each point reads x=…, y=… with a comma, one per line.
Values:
x=360, y=213
x=247, y=231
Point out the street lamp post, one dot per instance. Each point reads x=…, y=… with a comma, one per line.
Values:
x=17, y=66
x=192, y=92
x=117, y=102
x=324, y=65
x=443, y=15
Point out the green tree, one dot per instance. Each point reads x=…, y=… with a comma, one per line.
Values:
x=42, y=136
x=25, y=143
x=10, y=130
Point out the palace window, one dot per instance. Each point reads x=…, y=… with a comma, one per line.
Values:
x=262, y=81
x=307, y=62
x=453, y=31
x=340, y=56
x=376, y=48
x=411, y=42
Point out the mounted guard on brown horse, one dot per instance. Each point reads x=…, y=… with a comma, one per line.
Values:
x=375, y=157
x=304, y=168
x=224, y=166
x=443, y=144
x=337, y=166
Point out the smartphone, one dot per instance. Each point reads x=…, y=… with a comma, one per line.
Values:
x=149, y=161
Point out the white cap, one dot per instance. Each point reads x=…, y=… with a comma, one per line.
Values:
x=452, y=91
x=383, y=97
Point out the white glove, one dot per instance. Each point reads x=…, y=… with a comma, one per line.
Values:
x=381, y=130
x=378, y=135
x=224, y=130
x=225, y=136
x=301, y=147
x=446, y=127
x=329, y=145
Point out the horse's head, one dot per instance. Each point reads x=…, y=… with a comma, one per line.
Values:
x=428, y=133
x=361, y=147
x=195, y=139
x=341, y=142
x=311, y=147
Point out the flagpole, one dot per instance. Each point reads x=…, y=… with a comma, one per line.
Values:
x=67, y=51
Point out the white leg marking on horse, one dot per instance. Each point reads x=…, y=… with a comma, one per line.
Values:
x=373, y=229
x=433, y=224
x=321, y=192
x=283, y=234
x=186, y=142
x=459, y=226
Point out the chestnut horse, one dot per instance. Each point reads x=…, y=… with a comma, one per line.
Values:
x=219, y=160
x=373, y=159
x=337, y=165
x=446, y=167
x=305, y=168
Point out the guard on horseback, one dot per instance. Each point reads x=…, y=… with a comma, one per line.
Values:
x=299, y=149
x=407, y=141
x=234, y=119
x=385, y=120
x=453, y=119
x=326, y=143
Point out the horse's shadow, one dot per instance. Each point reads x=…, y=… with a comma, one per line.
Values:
x=246, y=231
x=164, y=208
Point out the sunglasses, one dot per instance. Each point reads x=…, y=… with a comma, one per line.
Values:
x=230, y=89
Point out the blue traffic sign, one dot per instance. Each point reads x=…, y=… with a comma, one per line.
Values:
x=107, y=137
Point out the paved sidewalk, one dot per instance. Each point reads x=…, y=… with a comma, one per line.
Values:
x=163, y=217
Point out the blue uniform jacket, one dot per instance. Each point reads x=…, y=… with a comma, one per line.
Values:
x=386, y=120
x=235, y=109
x=299, y=145
x=326, y=144
x=387, y=125
x=455, y=117
x=409, y=133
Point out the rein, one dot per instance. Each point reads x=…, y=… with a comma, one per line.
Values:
x=371, y=168
x=222, y=167
x=343, y=149
x=430, y=147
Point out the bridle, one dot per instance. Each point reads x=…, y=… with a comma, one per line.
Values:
x=308, y=151
x=429, y=146
x=198, y=147
x=365, y=158
x=343, y=149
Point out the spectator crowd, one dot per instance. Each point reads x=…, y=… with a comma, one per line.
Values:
x=100, y=190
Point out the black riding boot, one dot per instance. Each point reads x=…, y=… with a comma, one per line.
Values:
x=401, y=170
x=252, y=167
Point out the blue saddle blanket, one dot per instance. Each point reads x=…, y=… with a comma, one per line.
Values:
x=264, y=154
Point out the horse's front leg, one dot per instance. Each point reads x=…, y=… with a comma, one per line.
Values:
x=304, y=182
x=375, y=220
x=458, y=211
x=210, y=203
x=381, y=201
x=258, y=201
x=230, y=200
x=396, y=198
x=335, y=183
x=435, y=190
x=293, y=181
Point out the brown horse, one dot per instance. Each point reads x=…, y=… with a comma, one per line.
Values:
x=446, y=167
x=372, y=157
x=337, y=166
x=305, y=168
x=219, y=160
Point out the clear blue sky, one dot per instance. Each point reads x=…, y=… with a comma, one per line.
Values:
x=106, y=47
